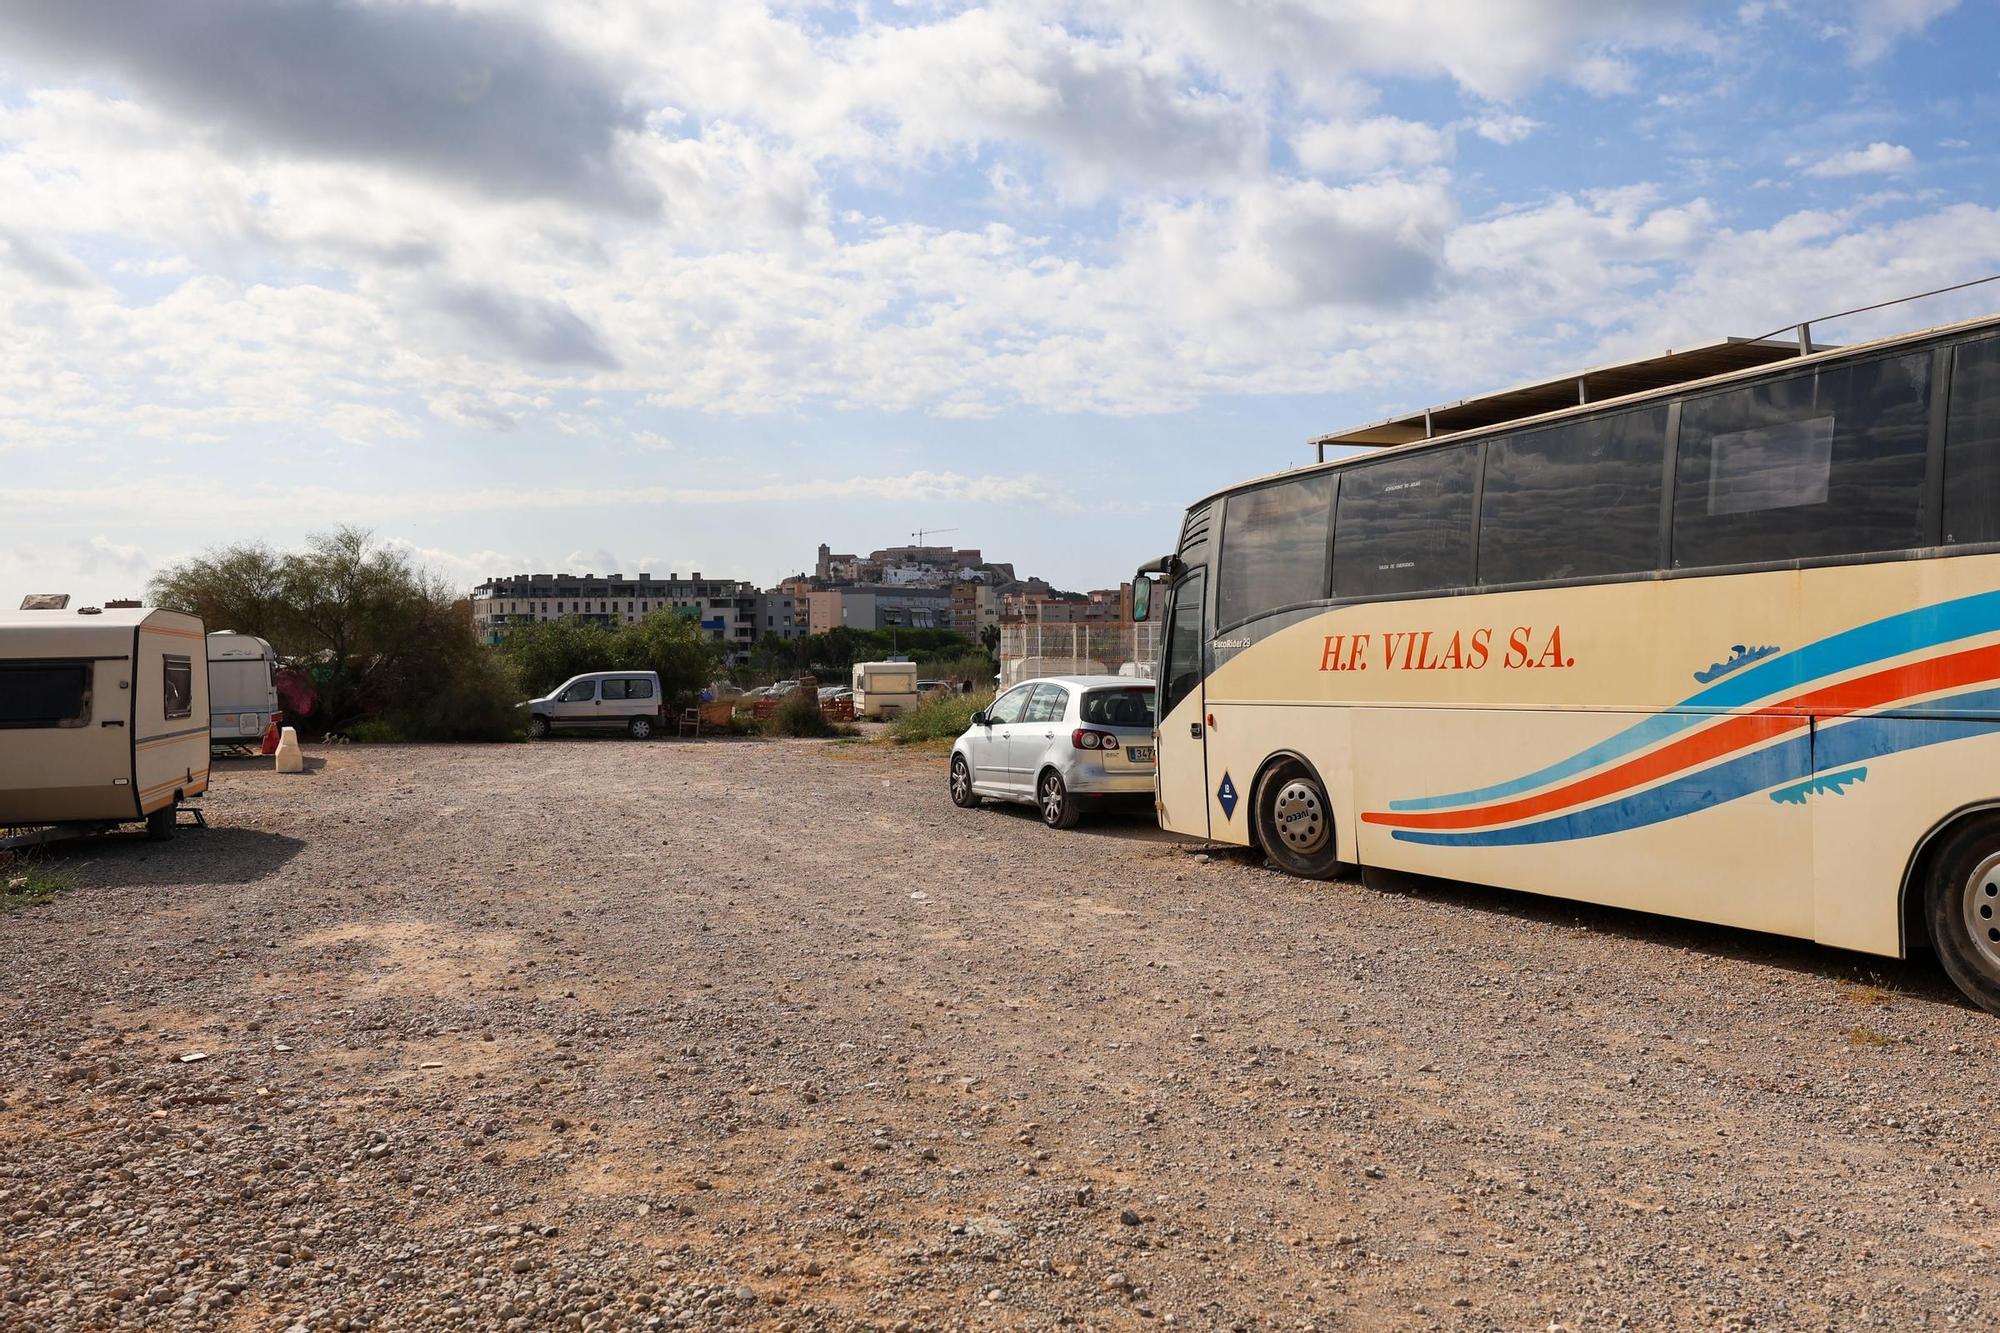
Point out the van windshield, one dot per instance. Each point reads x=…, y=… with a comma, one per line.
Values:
x=1123, y=707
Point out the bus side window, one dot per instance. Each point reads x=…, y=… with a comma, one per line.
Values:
x=1273, y=549
x=1972, y=445
x=1821, y=463
x=1573, y=501
x=1405, y=525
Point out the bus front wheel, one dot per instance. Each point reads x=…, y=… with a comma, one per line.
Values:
x=1294, y=821
x=1962, y=909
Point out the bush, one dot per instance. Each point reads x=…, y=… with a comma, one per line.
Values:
x=376, y=731
x=938, y=717
x=380, y=639
x=799, y=716
x=547, y=653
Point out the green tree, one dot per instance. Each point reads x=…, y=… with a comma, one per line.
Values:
x=775, y=655
x=549, y=652
x=379, y=638
x=673, y=644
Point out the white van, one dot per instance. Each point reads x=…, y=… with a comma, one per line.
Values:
x=103, y=717
x=884, y=689
x=242, y=688
x=628, y=701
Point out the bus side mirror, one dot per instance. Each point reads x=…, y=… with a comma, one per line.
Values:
x=1142, y=598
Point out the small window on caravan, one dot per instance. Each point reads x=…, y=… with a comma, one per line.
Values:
x=179, y=680
x=44, y=694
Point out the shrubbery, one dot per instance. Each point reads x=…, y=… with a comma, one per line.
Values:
x=380, y=639
x=547, y=653
x=938, y=717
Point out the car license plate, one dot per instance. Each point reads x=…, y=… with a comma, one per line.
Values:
x=1139, y=754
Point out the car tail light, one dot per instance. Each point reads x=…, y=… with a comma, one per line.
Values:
x=1084, y=739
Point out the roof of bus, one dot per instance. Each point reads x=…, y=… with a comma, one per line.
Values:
x=1492, y=423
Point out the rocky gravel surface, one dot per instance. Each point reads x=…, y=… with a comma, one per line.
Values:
x=604, y=1035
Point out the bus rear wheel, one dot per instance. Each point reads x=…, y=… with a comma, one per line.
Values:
x=1962, y=910
x=1294, y=821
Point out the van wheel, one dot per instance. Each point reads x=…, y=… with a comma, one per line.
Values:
x=1962, y=909
x=1294, y=821
x=1059, y=808
x=640, y=727
x=962, y=794
x=160, y=824
x=538, y=727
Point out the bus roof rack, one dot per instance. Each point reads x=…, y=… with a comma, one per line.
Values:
x=1583, y=386
x=1614, y=381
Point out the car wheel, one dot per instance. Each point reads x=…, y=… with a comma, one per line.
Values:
x=538, y=727
x=640, y=727
x=962, y=794
x=1962, y=909
x=1059, y=808
x=160, y=824
x=1294, y=822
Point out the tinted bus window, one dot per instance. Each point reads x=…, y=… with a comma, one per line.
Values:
x=1573, y=501
x=1274, y=548
x=1972, y=445
x=1406, y=525
x=1822, y=463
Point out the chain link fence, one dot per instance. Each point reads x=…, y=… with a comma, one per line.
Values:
x=1118, y=648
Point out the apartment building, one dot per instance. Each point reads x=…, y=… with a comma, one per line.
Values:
x=730, y=611
x=974, y=606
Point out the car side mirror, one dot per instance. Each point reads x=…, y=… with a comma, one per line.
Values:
x=979, y=719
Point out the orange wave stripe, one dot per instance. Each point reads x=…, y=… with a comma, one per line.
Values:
x=1872, y=691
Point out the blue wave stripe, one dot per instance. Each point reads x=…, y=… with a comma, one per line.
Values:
x=1835, y=747
x=1891, y=636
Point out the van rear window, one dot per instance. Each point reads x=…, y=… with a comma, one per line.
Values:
x=44, y=694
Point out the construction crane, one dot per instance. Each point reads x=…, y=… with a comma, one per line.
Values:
x=922, y=533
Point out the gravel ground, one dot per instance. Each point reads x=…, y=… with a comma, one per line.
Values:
x=598, y=1034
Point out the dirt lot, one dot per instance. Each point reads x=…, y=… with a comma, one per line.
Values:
x=609, y=1035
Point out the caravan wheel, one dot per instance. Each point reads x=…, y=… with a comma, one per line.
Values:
x=160, y=824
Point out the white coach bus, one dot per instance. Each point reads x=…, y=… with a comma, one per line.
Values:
x=1726, y=647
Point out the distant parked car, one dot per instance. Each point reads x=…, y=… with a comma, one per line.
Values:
x=1060, y=743
x=628, y=701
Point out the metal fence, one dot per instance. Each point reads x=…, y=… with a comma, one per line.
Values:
x=1117, y=648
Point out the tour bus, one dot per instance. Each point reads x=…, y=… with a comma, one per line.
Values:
x=1725, y=648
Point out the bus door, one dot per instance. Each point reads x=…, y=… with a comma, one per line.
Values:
x=1181, y=737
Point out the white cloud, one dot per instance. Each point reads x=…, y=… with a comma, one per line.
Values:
x=1874, y=159
x=1504, y=127
x=1363, y=147
x=1877, y=25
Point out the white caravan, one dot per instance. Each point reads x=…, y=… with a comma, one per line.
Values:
x=884, y=689
x=103, y=717
x=242, y=688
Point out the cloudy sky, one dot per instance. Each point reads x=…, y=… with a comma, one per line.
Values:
x=696, y=284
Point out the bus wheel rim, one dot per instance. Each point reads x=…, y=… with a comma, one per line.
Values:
x=1981, y=901
x=1300, y=816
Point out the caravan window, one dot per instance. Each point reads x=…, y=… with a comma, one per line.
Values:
x=179, y=691
x=44, y=694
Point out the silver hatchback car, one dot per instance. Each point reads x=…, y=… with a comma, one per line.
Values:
x=1059, y=743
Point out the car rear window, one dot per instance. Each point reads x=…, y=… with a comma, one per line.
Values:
x=1119, y=708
